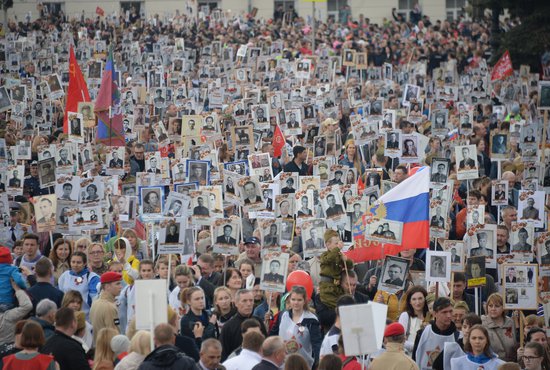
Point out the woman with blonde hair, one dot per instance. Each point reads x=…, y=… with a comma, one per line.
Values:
x=501, y=328
x=60, y=255
x=104, y=356
x=139, y=248
x=38, y=141
x=82, y=244
x=140, y=347
x=351, y=158
x=223, y=306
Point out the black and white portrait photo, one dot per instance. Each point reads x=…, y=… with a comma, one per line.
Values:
x=274, y=271
x=394, y=274
x=466, y=158
x=440, y=170
x=531, y=207
x=151, y=199
x=438, y=266
x=198, y=171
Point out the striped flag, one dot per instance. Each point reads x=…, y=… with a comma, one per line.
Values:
x=110, y=130
x=408, y=203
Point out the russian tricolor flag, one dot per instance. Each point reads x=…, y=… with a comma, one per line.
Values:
x=408, y=203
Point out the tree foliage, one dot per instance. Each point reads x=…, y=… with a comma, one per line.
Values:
x=528, y=41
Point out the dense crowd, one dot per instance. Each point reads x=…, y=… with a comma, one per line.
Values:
x=252, y=173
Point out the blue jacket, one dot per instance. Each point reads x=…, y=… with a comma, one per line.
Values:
x=6, y=291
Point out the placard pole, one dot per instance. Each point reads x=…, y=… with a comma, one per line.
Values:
x=476, y=296
x=152, y=319
x=169, y=271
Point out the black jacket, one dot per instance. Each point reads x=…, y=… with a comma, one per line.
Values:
x=40, y=291
x=231, y=336
x=265, y=365
x=188, y=346
x=68, y=353
x=167, y=357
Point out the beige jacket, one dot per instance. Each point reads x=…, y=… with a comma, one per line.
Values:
x=503, y=338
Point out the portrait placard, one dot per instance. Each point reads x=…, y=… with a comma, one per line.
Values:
x=274, y=272
x=394, y=274
x=520, y=286
x=438, y=266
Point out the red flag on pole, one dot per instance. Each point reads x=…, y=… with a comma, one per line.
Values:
x=99, y=11
x=503, y=68
x=77, y=91
x=278, y=142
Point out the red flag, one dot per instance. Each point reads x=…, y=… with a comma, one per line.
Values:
x=503, y=68
x=77, y=91
x=278, y=142
x=360, y=185
x=99, y=11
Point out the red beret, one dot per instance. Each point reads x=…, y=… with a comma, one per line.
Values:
x=394, y=329
x=110, y=277
x=5, y=256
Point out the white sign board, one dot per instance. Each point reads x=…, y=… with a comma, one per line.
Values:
x=363, y=327
x=151, y=303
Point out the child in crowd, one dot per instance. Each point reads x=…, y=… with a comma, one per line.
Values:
x=333, y=262
x=8, y=272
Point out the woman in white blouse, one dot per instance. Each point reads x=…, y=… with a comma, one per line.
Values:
x=415, y=314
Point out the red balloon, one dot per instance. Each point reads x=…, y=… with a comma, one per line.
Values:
x=300, y=278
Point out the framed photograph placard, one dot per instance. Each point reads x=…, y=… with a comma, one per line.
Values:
x=520, y=286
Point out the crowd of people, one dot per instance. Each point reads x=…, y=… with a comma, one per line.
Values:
x=251, y=161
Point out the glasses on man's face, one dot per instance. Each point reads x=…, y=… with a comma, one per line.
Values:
x=530, y=358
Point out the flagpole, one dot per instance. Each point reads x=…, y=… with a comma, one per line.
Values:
x=110, y=126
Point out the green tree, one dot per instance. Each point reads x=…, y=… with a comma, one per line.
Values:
x=526, y=42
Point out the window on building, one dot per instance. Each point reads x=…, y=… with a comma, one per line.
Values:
x=129, y=6
x=334, y=7
x=455, y=9
x=52, y=8
x=287, y=4
x=405, y=7
x=211, y=4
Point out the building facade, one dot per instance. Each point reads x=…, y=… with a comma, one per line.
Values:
x=375, y=10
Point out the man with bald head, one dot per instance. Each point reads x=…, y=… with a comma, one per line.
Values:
x=274, y=353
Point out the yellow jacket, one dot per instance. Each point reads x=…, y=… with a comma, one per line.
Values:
x=392, y=301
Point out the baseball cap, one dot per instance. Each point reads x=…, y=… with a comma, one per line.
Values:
x=252, y=240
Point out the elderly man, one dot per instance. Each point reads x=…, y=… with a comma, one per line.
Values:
x=274, y=353
x=45, y=316
x=210, y=354
x=231, y=336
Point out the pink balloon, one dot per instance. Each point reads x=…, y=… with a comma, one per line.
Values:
x=300, y=278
